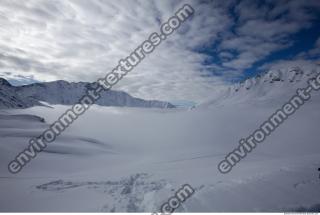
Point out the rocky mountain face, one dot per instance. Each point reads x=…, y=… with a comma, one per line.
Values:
x=65, y=93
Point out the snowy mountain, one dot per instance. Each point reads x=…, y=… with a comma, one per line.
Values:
x=132, y=160
x=65, y=93
x=10, y=98
x=274, y=85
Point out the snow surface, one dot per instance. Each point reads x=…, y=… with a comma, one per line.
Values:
x=132, y=160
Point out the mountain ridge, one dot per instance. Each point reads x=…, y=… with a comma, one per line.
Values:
x=273, y=85
x=66, y=93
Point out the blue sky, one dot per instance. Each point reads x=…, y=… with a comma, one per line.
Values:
x=225, y=41
x=303, y=41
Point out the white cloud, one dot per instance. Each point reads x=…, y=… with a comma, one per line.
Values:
x=262, y=29
x=83, y=40
x=80, y=40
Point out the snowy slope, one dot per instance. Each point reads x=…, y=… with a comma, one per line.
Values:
x=65, y=93
x=9, y=98
x=133, y=160
x=270, y=86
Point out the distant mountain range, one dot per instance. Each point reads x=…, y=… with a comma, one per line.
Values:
x=66, y=93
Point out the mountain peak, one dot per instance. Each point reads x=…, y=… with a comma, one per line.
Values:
x=4, y=82
x=66, y=93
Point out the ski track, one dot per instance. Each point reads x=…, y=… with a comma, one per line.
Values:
x=128, y=194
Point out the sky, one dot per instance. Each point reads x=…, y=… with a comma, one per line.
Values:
x=224, y=42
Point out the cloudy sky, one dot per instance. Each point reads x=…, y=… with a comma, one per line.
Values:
x=82, y=40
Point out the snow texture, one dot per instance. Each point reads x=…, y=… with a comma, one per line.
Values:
x=116, y=159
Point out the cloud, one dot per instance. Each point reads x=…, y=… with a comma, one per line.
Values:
x=249, y=49
x=226, y=56
x=83, y=40
x=262, y=29
x=80, y=40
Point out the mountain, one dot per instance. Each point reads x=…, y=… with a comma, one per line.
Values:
x=65, y=93
x=10, y=98
x=272, y=86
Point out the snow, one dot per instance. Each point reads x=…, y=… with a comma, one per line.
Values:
x=133, y=159
x=65, y=93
